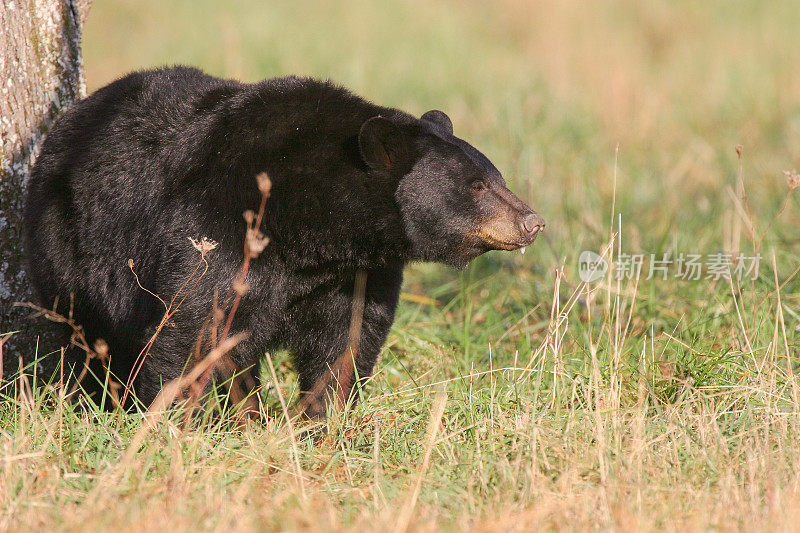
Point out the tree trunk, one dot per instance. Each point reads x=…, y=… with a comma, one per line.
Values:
x=41, y=73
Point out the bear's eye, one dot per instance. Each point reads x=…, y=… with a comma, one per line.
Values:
x=479, y=186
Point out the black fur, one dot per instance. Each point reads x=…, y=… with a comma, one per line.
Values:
x=145, y=163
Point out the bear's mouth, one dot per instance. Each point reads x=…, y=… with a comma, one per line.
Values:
x=497, y=244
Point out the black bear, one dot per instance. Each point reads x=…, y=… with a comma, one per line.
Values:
x=160, y=156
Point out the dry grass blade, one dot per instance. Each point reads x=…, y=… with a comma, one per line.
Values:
x=437, y=411
x=290, y=425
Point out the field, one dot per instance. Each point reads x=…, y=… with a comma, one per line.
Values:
x=511, y=396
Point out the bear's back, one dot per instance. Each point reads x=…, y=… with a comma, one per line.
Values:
x=95, y=192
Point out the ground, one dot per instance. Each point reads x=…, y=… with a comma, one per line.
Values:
x=512, y=395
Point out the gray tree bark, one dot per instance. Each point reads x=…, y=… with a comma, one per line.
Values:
x=41, y=73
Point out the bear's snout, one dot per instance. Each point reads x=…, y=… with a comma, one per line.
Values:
x=530, y=225
x=512, y=225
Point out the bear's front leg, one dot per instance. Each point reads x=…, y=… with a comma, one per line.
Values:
x=333, y=347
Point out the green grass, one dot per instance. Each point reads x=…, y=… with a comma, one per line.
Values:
x=659, y=405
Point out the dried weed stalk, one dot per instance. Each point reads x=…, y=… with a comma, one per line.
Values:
x=204, y=246
x=343, y=369
x=239, y=382
x=98, y=350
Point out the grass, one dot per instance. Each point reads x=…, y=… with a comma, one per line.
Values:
x=509, y=396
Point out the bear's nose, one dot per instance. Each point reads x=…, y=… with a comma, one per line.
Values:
x=531, y=224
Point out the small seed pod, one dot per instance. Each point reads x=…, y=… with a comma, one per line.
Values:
x=241, y=287
x=264, y=183
x=101, y=348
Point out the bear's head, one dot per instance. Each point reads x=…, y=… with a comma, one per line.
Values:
x=453, y=201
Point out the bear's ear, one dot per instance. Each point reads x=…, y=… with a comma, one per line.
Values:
x=440, y=119
x=382, y=145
